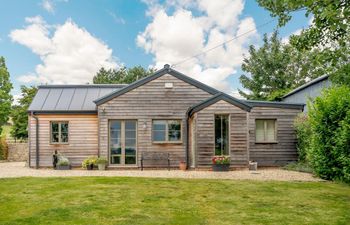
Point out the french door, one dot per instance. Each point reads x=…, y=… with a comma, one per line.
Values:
x=122, y=142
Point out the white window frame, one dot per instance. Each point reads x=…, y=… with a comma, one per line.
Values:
x=265, y=141
x=167, y=141
x=59, y=133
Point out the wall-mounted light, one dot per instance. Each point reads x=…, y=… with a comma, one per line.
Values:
x=144, y=125
x=168, y=85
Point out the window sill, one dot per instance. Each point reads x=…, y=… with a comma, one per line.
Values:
x=166, y=142
x=266, y=142
x=59, y=143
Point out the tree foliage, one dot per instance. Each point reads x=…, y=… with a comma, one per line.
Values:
x=303, y=133
x=121, y=76
x=5, y=95
x=276, y=68
x=329, y=152
x=331, y=19
x=19, y=113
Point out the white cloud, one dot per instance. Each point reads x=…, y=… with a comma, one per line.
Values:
x=191, y=27
x=48, y=5
x=116, y=19
x=69, y=54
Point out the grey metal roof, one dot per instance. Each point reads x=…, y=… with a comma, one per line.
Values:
x=314, y=81
x=70, y=98
x=255, y=103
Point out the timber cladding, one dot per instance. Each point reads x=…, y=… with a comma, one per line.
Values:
x=83, y=138
x=146, y=103
x=284, y=150
x=204, y=135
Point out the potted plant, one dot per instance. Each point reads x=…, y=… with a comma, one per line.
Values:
x=89, y=163
x=63, y=163
x=221, y=163
x=101, y=163
x=183, y=165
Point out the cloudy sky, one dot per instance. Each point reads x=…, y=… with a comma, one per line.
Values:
x=67, y=41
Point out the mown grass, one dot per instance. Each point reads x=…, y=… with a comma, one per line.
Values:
x=113, y=200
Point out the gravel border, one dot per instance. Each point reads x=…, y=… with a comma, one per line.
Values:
x=18, y=169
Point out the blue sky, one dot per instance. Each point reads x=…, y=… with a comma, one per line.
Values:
x=66, y=41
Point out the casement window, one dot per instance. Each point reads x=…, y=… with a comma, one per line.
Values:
x=222, y=135
x=265, y=130
x=59, y=132
x=166, y=131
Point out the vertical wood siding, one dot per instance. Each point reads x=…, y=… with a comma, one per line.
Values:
x=284, y=150
x=83, y=138
x=147, y=102
x=205, y=134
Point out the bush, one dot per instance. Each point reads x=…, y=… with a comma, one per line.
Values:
x=329, y=152
x=101, y=160
x=3, y=148
x=63, y=161
x=89, y=161
x=303, y=132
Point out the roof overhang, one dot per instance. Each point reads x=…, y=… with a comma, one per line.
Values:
x=159, y=73
x=71, y=112
x=220, y=96
x=275, y=104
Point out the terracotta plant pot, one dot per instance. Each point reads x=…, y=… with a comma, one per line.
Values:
x=221, y=167
x=182, y=166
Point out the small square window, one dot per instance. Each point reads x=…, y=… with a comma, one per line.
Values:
x=59, y=132
x=166, y=131
x=265, y=130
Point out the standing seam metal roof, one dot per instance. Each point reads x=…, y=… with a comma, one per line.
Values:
x=70, y=98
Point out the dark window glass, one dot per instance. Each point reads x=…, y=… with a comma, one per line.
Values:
x=221, y=135
x=59, y=132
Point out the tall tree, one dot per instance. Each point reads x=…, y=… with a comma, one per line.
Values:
x=331, y=19
x=19, y=113
x=276, y=68
x=5, y=95
x=121, y=76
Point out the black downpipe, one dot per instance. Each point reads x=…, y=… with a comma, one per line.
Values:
x=187, y=138
x=36, y=141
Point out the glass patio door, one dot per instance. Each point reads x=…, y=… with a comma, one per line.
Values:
x=122, y=142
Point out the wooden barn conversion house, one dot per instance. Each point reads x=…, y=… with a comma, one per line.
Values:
x=167, y=112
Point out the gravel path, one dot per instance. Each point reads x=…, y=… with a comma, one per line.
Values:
x=18, y=169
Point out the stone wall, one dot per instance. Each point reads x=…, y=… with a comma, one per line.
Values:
x=17, y=151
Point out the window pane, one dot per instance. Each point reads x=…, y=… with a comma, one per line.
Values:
x=130, y=142
x=130, y=159
x=64, y=137
x=270, y=132
x=115, y=125
x=221, y=135
x=130, y=151
x=259, y=130
x=159, y=124
x=159, y=130
x=115, y=159
x=174, y=125
x=54, y=127
x=174, y=135
x=64, y=127
x=54, y=137
x=130, y=125
x=158, y=135
x=116, y=151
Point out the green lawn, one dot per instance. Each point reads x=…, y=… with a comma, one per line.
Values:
x=115, y=200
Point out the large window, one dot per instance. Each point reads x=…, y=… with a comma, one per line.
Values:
x=166, y=131
x=59, y=132
x=265, y=130
x=221, y=135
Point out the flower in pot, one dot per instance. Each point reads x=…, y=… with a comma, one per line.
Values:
x=89, y=163
x=182, y=165
x=101, y=163
x=63, y=163
x=221, y=163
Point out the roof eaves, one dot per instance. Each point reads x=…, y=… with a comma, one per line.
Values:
x=62, y=112
x=302, y=87
x=159, y=73
x=82, y=86
x=219, y=96
x=275, y=104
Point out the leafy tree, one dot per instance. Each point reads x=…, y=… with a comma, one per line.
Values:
x=19, y=113
x=330, y=19
x=276, y=68
x=329, y=151
x=121, y=76
x=5, y=95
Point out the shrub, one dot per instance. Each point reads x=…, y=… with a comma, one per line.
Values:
x=329, y=152
x=303, y=132
x=3, y=148
x=63, y=162
x=101, y=160
x=89, y=161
